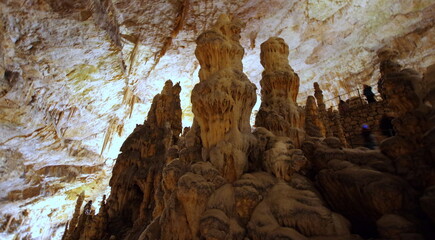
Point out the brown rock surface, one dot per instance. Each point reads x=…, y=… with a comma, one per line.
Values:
x=156, y=195
x=314, y=126
x=360, y=185
x=410, y=149
x=279, y=112
x=223, y=99
x=318, y=94
x=137, y=175
x=77, y=76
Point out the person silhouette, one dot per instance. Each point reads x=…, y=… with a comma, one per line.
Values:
x=386, y=126
x=370, y=96
x=369, y=140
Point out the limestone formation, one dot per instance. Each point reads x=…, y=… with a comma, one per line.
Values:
x=318, y=94
x=294, y=211
x=277, y=155
x=388, y=64
x=359, y=184
x=383, y=194
x=336, y=126
x=135, y=195
x=428, y=86
x=279, y=112
x=314, y=126
x=76, y=76
x=219, y=180
x=163, y=189
x=410, y=150
x=223, y=99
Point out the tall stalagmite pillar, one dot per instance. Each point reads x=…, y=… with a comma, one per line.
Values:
x=279, y=89
x=223, y=99
x=313, y=125
x=318, y=94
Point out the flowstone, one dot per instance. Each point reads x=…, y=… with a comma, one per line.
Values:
x=223, y=99
x=219, y=180
x=279, y=112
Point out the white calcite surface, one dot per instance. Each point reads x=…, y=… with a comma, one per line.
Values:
x=77, y=76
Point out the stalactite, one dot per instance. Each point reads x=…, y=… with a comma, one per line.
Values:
x=114, y=127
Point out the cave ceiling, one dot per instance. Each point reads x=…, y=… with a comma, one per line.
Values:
x=77, y=76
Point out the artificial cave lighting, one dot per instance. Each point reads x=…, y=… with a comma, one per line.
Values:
x=78, y=84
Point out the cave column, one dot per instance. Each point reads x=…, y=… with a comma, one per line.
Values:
x=223, y=99
x=279, y=112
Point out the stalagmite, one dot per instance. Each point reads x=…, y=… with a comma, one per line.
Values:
x=223, y=99
x=388, y=64
x=318, y=94
x=279, y=112
x=313, y=124
x=411, y=149
x=336, y=126
x=220, y=181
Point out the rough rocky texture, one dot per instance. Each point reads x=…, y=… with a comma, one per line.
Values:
x=279, y=112
x=223, y=99
x=384, y=195
x=370, y=114
x=88, y=70
x=359, y=184
x=337, y=127
x=318, y=94
x=414, y=123
x=412, y=147
x=314, y=126
x=197, y=197
x=136, y=178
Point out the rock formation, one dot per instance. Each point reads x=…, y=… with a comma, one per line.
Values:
x=336, y=126
x=223, y=99
x=76, y=76
x=136, y=194
x=279, y=112
x=313, y=123
x=243, y=185
x=359, y=184
x=411, y=149
x=388, y=64
x=383, y=195
x=220, y=181
x=318, y=94
x=404, y=92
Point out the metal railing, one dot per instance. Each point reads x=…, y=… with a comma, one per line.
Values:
x=356, y=92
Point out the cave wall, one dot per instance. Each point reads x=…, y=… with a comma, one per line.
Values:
x=77, y=76
x=353, y=119
x=222, y=180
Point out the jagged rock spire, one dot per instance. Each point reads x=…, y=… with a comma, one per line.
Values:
x=135, y=184
x=313, y=125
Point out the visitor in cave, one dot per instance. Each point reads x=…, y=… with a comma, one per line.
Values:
x=370, y=96
x=386, y=125
x=369, y=139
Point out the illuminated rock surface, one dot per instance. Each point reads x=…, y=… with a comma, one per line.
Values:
x=77, y=76
x=278, y=111
x=214, y=197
